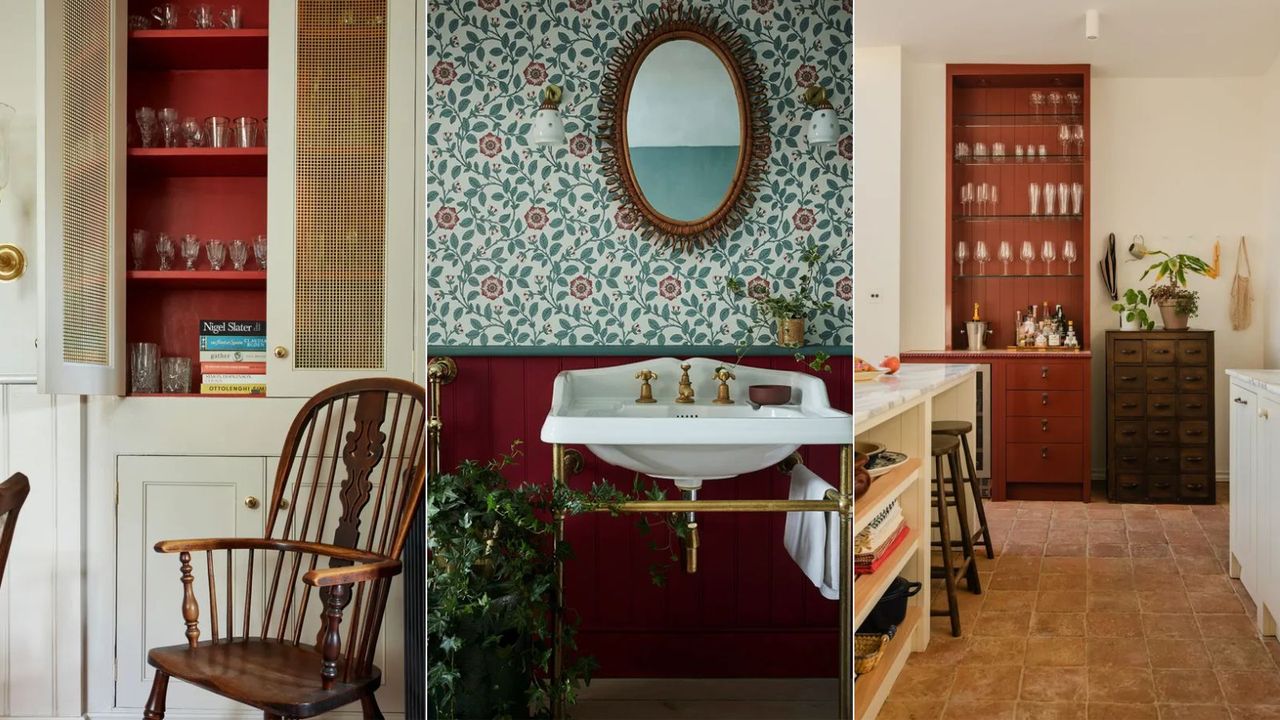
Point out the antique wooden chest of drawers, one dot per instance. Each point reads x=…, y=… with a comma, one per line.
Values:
x=1160, y=444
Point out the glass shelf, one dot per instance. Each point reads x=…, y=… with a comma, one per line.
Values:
x=979, y=120
x=1027, y=218
x=1022, y=161
x=1011, y=276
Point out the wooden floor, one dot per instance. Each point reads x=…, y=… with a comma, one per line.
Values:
x=737, y=699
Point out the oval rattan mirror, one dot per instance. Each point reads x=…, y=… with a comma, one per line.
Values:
x=685, y=132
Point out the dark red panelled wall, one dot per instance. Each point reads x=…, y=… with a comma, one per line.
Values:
x=748, y=612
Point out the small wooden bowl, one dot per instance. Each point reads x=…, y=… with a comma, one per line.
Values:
x=769, y=394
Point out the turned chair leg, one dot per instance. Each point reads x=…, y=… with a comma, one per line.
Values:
x=369, y=704
x=155, y=702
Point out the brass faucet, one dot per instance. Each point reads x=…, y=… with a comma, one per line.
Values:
x=646, y=392
x=724, y=375
x=684, y=394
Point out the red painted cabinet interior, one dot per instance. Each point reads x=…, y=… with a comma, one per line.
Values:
x=748, y=612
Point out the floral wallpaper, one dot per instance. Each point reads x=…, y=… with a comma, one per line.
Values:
x=525, y=247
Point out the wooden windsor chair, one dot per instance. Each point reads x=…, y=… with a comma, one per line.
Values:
x=368, y=437
x=13, y=493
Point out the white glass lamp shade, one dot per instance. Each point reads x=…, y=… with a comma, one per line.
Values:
x=547, y=128
x=823, y=128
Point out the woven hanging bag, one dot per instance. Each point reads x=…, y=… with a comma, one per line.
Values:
x=1241, y=299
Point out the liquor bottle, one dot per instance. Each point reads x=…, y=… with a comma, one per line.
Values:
x=1072, y=341
x=1017, y=329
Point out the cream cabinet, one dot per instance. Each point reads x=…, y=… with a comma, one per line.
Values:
x=1244, y=405
x=1255, y=491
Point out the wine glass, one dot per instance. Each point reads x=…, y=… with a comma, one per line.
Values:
x=164, y=250
x=1027, y=254
x=1064, y=137
x=1050, y=192
x=1037, y=99
x=1069, y=253
x=1073, y=100
x=982, y=256
x=1005, y=254
x=190, y=247
x=962, y=254
x=217, y=253
x=1077, y=134
x=260, y=251
x=1047, y=254
x=1055, y=99
x=239, y=254
x=984, y=196
x=994, y=199
x=966, y=199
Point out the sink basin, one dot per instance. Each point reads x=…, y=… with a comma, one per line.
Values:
x=689, y=443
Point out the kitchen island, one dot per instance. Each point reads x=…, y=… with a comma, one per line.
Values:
x=1255, y=489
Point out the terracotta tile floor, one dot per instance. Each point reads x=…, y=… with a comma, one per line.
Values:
x=1097, y=611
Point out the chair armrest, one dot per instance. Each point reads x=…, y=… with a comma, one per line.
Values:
x=367, y=559
x=326, y=577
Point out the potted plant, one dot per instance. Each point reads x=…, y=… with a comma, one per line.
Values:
x=783, y=313
x=1133, y=311
x=1177, y=302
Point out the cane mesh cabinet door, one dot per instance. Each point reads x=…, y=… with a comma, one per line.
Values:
x=341, y=181
x=79, y=271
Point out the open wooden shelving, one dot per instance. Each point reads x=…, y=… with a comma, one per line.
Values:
x=867, y=589
x=884, y=490
x=871, y=689
x=210, y=279
x=199, y=162
x=191, y=49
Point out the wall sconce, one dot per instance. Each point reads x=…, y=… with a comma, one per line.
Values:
x=547, y=128
x=12, y=260
x=823, y=127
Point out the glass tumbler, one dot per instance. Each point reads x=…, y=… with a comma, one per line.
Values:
x=202, y=16
x=166, y=15
x=217, y=131
x=239, y=254
x=216, y=252
x=1077, y=198
x=190, y=247
x=192, y=132
x=232, y=17
x=170, y=130
x=144, y=372
x=1064, y=196
x=138, y=243
x=244, y=132
x=146, y=118
x=260, y=251
x=175, y=374
x=164, y=250
x=1033, y=193
x=1050, y=192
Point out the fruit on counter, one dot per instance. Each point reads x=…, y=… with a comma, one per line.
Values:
x=860, y=365
x=891, y=364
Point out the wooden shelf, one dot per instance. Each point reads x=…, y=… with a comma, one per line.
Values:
x=188, y=49
x=883, y=490
x=202, y=161
x=226, y=278
x=871, y=689
x=190, y=395
x=867, y=589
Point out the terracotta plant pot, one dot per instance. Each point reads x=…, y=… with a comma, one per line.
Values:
x=1169, y=314
x=791, y=331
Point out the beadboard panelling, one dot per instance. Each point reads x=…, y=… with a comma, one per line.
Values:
x=748, y=612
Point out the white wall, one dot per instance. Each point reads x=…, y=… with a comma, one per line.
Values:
x=924, y=221
x=878, y=157
x=17, y=201
x=1269, y=274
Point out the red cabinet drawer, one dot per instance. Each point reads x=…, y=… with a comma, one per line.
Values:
x=1044, y=403
x=1044, y=462
x=1044, y=429
x=1030, y=375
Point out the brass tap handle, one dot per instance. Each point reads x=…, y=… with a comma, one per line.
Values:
x=684, y=394
x=646, y=391
x=724, y=375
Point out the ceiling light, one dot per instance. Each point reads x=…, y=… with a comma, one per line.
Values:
x=1091, y=24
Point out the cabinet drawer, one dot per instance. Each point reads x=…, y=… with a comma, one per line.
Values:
x=1131, y=433
x=1045, y=375
x=1162, y=405
x=1045, y=403
x=1163, y=379
x=1193, y=379
x=1162, y=432
x=1195, y=486
x=1130, y=487
x=1128, y=352
x=1131, y=379
x=1193, y=352
x=1162, y=487
x=1158, y=352
x=1130, y=459
x=1044, y=429
x=1194, y=432
x=1044, y=462
x=1193, y=406
x=1163, y=460
x=1129, y=405
x=1195, y=460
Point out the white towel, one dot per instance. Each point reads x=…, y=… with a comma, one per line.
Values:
x=813, y=538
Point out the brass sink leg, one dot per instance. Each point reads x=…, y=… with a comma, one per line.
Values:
x=691, y=549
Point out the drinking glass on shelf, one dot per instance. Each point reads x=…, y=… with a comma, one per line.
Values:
x=164, y=250
x=966, y=199
x=1064, y=137
x=244, y=132
x=1033, y=191
x=1047, y=254
x=1077, y=198
x=1005, y=254
x=146, y=118
x=1037, y=100
x=1055, y=99
x=1073, y=100
x=962, y=254
x=217, y=131
x=260, y=251
x=1017, y=152
x=1069, y=253
x=202, y=16
x=982, y=256
x=169, y=128
x=144, y=373
x=1077, y=135
x=231, y=17
x=262, y=132
x=995, y=199
x=216, y=252
x=190, y=247
x=193, y=133
x=997, y=151
x=962, y=151
x=1063, y=190
x=139, y=22
x=239, y=254
x=1028, y=253
x=984, y=196
x=979, y=151
x=166, y=15
x=1044, y=153
x=175, y=374
x=138, y=242
x=1050, y=192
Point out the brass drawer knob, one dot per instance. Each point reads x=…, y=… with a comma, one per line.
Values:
x=12, y=262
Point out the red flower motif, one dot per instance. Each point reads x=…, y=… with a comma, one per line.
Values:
x=758, y=287
x=670, y=287
x=670, y=5
x=490, y=145
x=580, y=145
x=489, y=5
x=446, y=218
x=444, y=73
x=804, y=219
x=847, y=5
x=844, y=288
x=491, y=287
x=580, y=287
x=625, y=218
x=762, y=6
x=536, y=218
x=580, y=5
x=806, y=75
x=535, y=73
x=846, y=147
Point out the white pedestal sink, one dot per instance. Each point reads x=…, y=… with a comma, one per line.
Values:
x=690, y=443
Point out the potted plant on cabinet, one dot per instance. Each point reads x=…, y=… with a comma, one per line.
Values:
x=784, y=313
x=1177, y=302
x=1133, y=311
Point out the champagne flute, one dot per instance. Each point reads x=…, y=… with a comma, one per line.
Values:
x=982, y=256
x=1069, y=253
x=1055, y=99
x=1077, y=134
x=1005, y=254
x=1027, y=254
x=962, y=254
x=1047, y=254
x=995, y=199
x=966, y=198
x=1064, y=137
x=984, y=195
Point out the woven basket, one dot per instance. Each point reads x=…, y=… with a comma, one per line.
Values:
x=867, y=651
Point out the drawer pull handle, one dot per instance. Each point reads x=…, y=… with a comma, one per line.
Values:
x=1195, y=458
x=1044, y=425
x=1044, y=453
x=1195, y=486
x=1044, y=398
x=1128, y=378
x=1191, y=378
x=1129, y=486
x=1161, y=378
x=1160, y=406
x=1129, y=458
x=1128, y=406
x=1195, y=433
x=1128, y=352
x=1161, y=485
x=1129, y=433
x=1192, y=351
x=1264, y=414
x=1044, y=371
x=1240, y=401
x=1163, y=458
x=1194, y=406
x=1160, y=433
x=1160, y=351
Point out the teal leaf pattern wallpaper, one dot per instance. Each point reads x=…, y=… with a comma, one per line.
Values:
x=525, y=246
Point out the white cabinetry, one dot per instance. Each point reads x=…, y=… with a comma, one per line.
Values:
x=1244, y=404
x=1255, y=492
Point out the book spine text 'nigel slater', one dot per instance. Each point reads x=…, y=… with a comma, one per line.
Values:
x=233, y=327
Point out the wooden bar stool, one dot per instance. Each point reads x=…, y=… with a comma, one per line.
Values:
x=948, y=446
x=961, y=429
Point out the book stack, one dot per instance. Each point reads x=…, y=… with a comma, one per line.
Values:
x=879, y=539
x=233, y=357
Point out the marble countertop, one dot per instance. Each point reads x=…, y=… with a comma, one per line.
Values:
x=1268, y=380
x=1040, y=355
x=877, y=397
